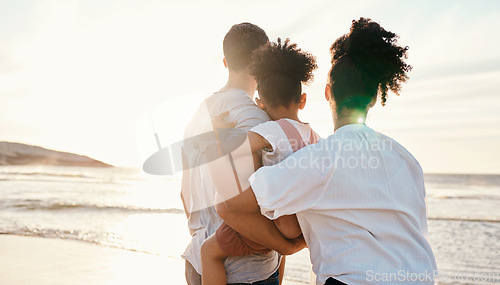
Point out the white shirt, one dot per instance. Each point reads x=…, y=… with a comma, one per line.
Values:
x=199, y=196
x=359, y=197
x=280, y=145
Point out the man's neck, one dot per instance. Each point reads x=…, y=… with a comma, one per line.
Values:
x=240, y=80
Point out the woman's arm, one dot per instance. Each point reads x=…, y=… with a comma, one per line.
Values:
x=249, y=222
x=288, y=226
x=230, y=174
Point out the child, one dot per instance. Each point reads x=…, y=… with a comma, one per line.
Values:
x=279, y=69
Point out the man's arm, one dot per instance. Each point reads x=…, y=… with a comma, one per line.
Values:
x=185, y=190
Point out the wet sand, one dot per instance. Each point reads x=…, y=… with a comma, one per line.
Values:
x=33, y=260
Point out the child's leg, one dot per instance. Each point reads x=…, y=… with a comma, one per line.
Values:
x=212, y=262
x=281, y=269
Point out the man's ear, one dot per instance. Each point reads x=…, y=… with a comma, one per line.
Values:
x=259, y=103
x=225, y=62
x=302, y=102
x=328, y=93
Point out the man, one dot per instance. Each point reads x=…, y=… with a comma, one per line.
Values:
x=197, y=187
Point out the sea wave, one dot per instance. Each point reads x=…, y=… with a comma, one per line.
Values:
x=35, y=204
x=466, y=219
x=468, y=197
x=63, y=178
x=119, y=176
x=44, y=173
x=103, y=239
x=462, y=180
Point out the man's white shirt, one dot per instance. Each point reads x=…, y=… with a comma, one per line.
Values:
x=199, y=195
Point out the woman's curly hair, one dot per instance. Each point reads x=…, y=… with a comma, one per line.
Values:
x=366, y=62
x=280, y=68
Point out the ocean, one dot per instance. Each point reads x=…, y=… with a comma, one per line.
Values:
x=128, y=209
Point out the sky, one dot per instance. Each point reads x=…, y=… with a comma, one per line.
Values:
x=82, y=76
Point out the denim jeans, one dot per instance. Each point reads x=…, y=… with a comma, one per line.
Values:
x=272, y=280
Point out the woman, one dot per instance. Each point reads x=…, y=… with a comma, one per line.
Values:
x=358, y=195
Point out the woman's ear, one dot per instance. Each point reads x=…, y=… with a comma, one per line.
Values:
x=225, y=62
x=372, y=102
x=302, y=102
x=259, y=103
x=328, y=93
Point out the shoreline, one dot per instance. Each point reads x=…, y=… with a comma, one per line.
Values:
x=39, y=260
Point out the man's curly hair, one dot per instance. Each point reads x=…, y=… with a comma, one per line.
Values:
x=366, y=62
x=280, y=68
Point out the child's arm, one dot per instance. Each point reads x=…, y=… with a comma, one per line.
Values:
x=257, y=143
x=288, y=225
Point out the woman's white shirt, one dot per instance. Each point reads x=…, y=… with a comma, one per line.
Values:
x=359, y=197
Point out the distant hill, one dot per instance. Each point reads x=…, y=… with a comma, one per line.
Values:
x=23, y=154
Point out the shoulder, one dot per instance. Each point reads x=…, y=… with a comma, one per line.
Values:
x=242, y=109
x=267, y=124
x=304, y=129
x=230, y=99
x=391, y=144
x=267, y=129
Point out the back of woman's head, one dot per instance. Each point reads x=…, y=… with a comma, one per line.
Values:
x=366, y=62
x=279, y=69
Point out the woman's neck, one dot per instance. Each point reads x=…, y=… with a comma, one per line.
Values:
x=349, y=117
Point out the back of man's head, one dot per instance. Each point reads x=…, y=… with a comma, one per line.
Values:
x=239, y=43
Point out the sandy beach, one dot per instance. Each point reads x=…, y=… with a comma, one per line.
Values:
x=33, y=260
x=52, y=261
